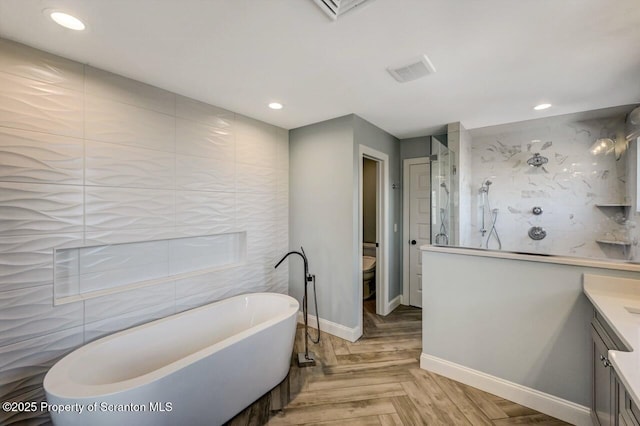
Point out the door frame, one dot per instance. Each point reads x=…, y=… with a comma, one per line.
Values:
x=382, y=231
x=406, y=186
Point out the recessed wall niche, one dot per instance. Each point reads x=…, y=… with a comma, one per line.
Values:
x=86, y=272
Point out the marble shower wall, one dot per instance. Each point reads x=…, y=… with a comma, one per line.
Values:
x=91, y=158
x=567, y=188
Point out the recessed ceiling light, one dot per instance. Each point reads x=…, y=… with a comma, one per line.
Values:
x=275, y=105
x=541, y=107
x=66, y=20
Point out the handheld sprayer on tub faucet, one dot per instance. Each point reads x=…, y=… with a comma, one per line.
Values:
x=307, y=358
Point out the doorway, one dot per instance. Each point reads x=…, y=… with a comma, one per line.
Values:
x=369, y=227
x=416, y=225
x=373, y=232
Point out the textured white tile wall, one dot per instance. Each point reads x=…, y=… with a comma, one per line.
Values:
x=88, y=157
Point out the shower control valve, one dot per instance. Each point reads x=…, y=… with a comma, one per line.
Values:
x=537, y=233
x=537, y=211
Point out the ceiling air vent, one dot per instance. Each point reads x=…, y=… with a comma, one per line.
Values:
x=412, y=70
x=336, y=8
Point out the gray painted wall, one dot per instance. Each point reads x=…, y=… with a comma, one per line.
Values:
x=324, y=217
x=415, y=147
x=321, y=211
x=526, y=322
x=369, y=135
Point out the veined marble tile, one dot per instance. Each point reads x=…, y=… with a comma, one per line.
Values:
x=116, y=122
x=33, y=105
x=21, y=60
x=567, y=188
x=27, y=261
x=203, y=140
x=27, y=417
x=108, y=208
x=205, y=174
x=211, y=210
x=38, y=209
x=255, y=179
x=201, y=112
x=23, y=365
x=97, y=329
x=115, y=87
x=123, y=166
x=40, y=157
x=256, y=142
x=29, y=313
x=103, y=308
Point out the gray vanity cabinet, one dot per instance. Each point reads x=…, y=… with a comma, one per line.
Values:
x=604, y=392
x=610, y=402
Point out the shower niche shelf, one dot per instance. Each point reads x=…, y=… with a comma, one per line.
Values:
x=614, y=242
x=620, y=205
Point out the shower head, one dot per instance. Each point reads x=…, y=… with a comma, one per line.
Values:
x=537, y=160
x=487, y=182
x=444, y=185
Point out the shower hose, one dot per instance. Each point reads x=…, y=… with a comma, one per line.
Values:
x=493, y=231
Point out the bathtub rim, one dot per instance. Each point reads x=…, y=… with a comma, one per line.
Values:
x=57, y=381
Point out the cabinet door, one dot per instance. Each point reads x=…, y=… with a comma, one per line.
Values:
x=603, y=395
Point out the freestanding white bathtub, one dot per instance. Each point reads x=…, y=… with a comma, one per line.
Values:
x=199, y=367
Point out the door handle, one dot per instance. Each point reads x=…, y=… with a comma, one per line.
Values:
x=413, y=242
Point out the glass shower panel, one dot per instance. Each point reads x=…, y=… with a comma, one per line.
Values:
x=441, y=191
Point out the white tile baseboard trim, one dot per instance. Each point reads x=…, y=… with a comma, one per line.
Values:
x=543, y=402
x=338, y=330
x=393, y=304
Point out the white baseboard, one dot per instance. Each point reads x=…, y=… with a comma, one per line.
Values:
x=392, y=305
x=335, y=329
x=543, y=402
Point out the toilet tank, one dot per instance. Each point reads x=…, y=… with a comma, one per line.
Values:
x=369, y=249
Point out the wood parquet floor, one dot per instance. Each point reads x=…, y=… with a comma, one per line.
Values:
x=378, y=381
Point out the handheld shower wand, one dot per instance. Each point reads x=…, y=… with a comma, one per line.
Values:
x=442, y=237
x=493, y=232
x=307, y=358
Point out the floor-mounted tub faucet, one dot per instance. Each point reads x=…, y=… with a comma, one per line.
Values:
x=307, y=358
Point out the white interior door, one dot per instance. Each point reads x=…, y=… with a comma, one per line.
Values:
x=419, y=226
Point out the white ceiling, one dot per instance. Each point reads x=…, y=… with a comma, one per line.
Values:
x=495, y=59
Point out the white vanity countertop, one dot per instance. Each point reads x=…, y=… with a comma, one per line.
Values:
x=614, y=298
x=532, y=257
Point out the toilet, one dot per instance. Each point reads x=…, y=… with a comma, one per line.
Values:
x=368, y=270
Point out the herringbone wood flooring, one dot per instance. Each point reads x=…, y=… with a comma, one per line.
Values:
x=377, y=381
